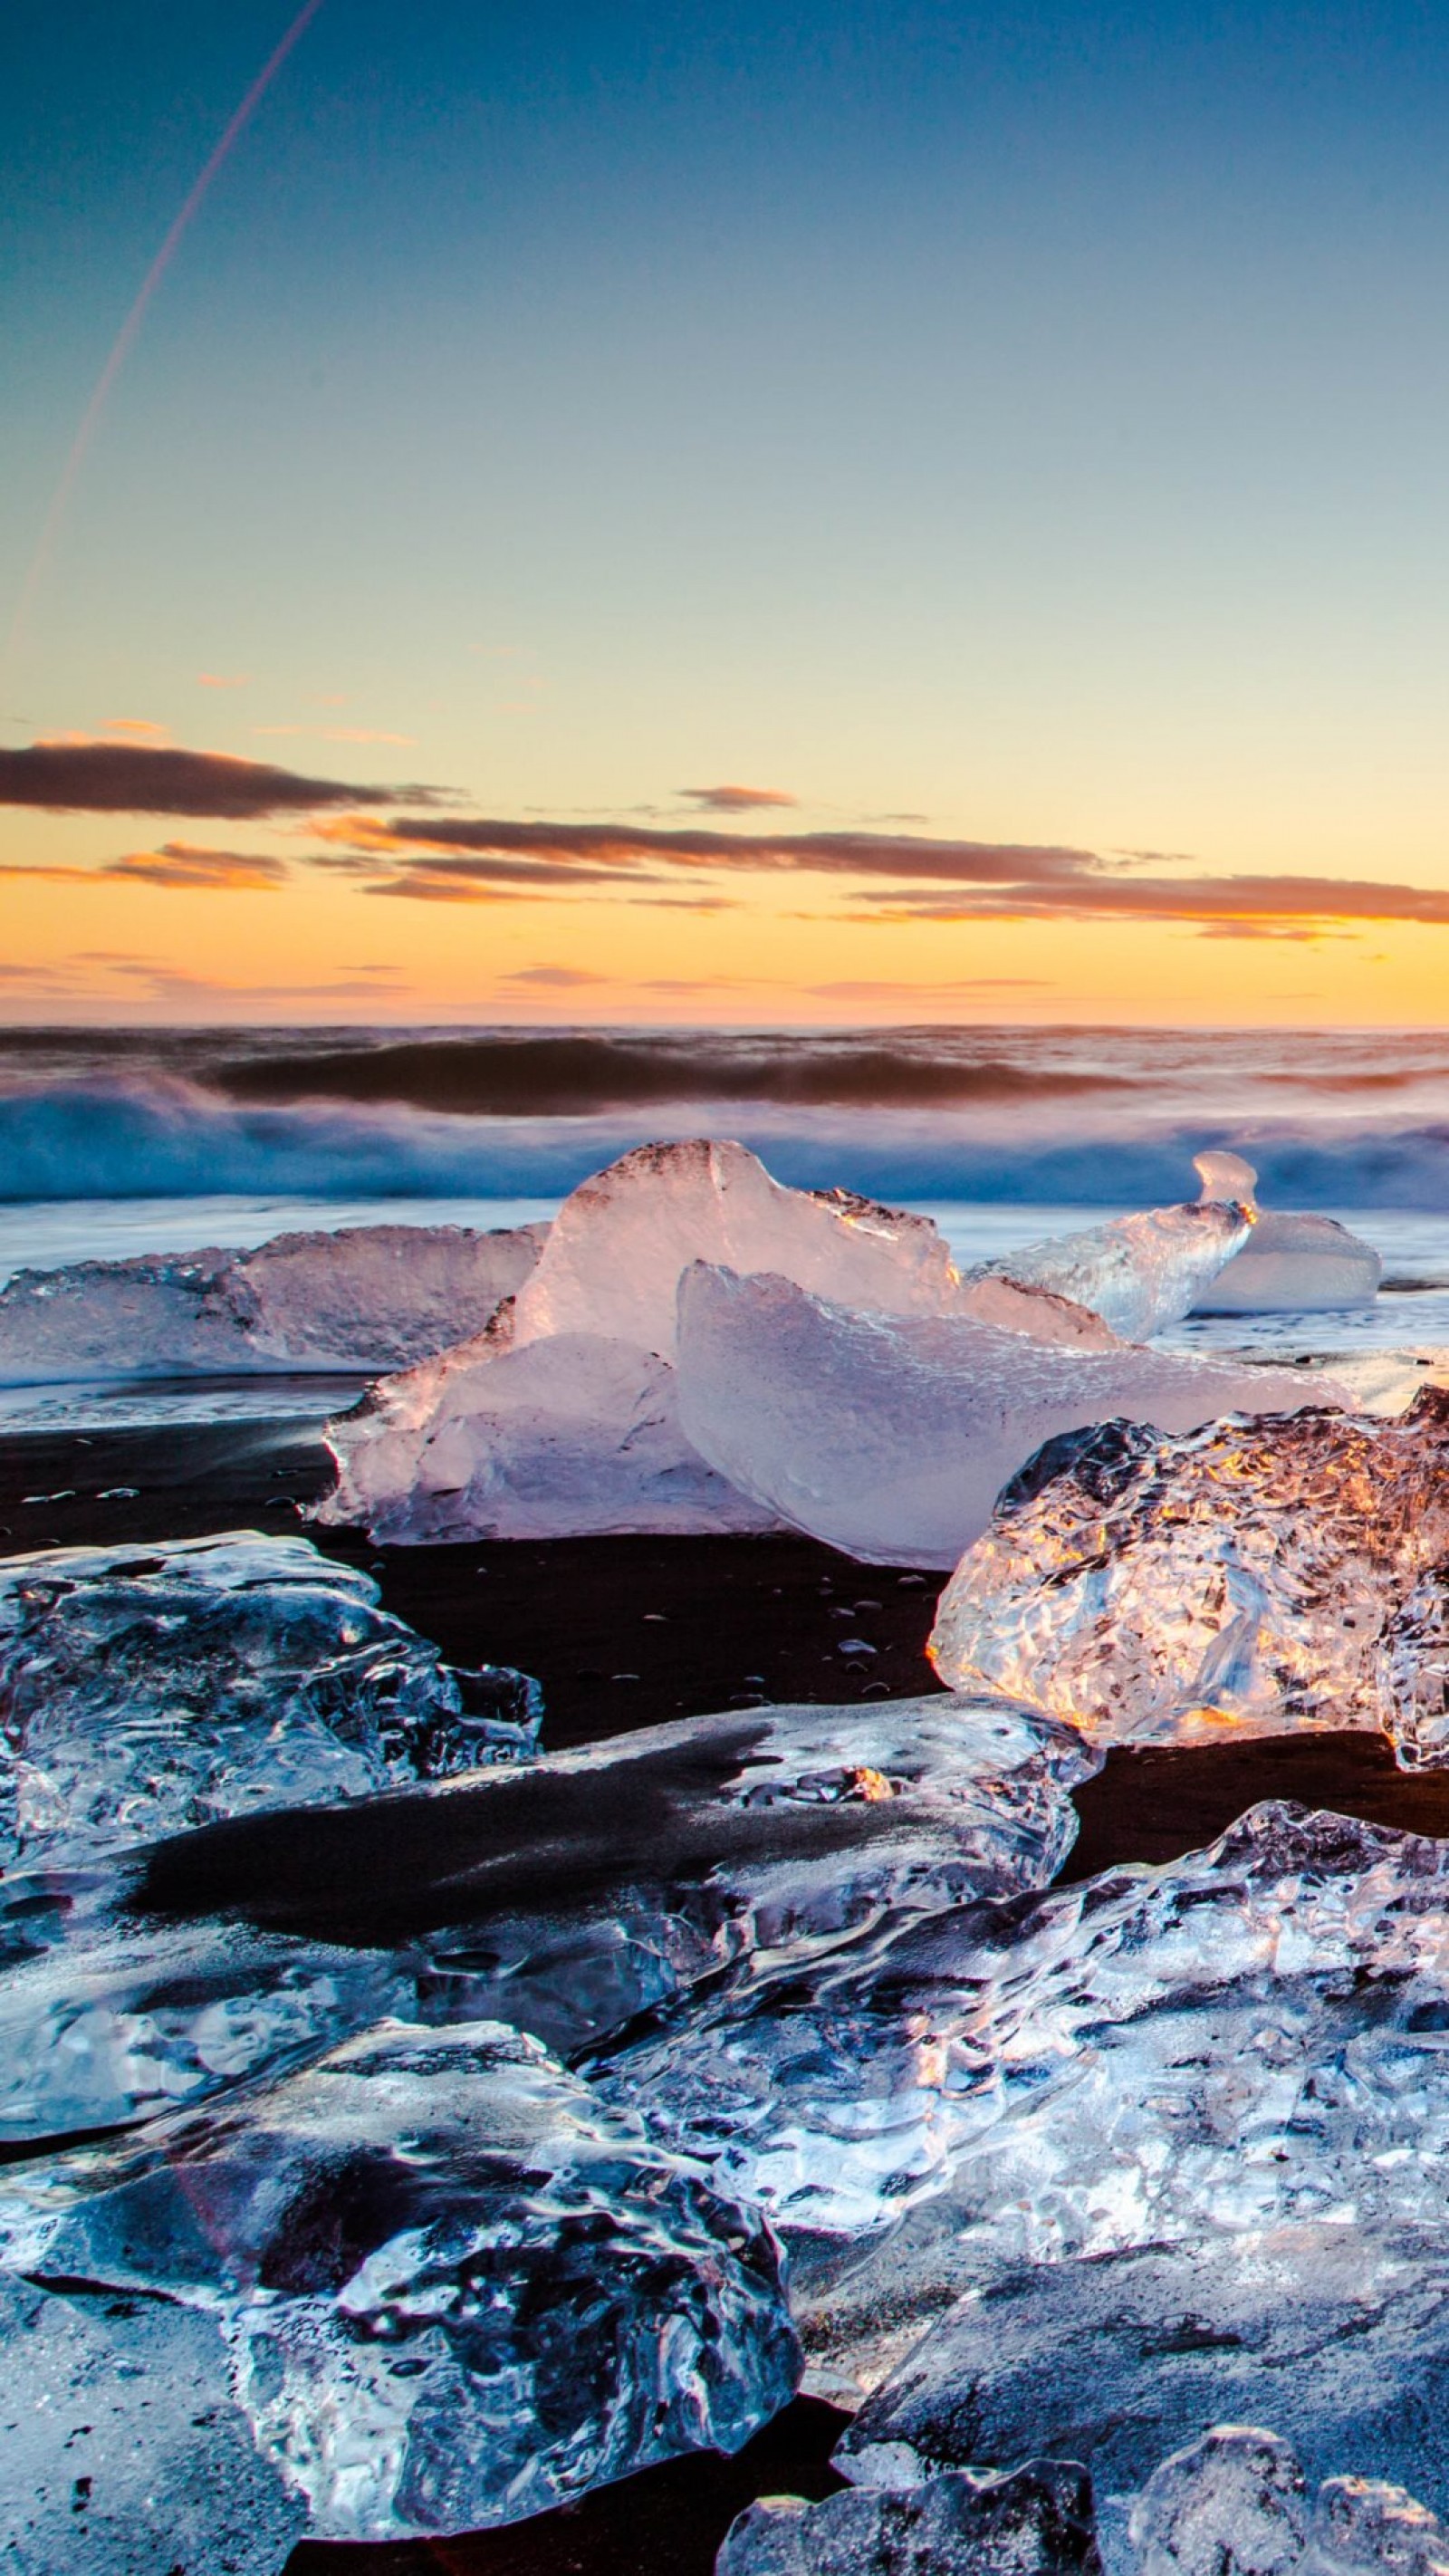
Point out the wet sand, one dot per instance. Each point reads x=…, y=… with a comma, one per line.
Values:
x=622, y=1633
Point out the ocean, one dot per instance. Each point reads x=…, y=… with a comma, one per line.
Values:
x=117, y=1142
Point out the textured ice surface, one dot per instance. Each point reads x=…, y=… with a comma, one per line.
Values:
x=125, y=2452
x=143, y=1690
x=890, y=1437
x=455, y=2289
x=378, y=1296
x=627, y=1878
x=561, y=1419
x=1233, y=2503
x=1190, y=2058
x=1031, y=2521
x=1250, y=1578
x=1295, y=1264
x=1139, y=1273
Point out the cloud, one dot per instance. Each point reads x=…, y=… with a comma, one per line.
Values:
x=877, y=989
x=170, y=984
x=144, y=728
x=223, y=679
x=563, y=976
x=1232, y=906
x=184, y=869
x=736, y=800
x=341, y=733
x=84, y=777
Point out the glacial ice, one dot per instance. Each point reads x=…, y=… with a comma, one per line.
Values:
x=1290, y=1264
x=890, y=1437
x=1249, y=1578
x=1030, y=2521
x=366, y=1297
x=143, y=1690
x=1139, y=1273
x=1193, y=2066
x=456, y=2290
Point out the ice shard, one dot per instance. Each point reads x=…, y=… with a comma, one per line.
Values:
x=1139, y=1273
x=456, y=2290
x=365, y=1297
x=1290, y=1264
x=143, y=1690
x=890, y=1437
x=1035, y=2520
x=1248, y=1578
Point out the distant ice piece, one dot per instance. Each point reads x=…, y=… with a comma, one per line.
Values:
x=891, y=1436
x=1289, y=1264
x=366, y=1297
x=125, y=2449
x=456, y=2290
x=1230, y=2066
x=1139, y=1273
x=561, y=1419
x=1246, y=1579
x=147, y=1689
x=1031, y=2521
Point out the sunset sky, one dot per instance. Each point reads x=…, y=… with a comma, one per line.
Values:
x=676, y=514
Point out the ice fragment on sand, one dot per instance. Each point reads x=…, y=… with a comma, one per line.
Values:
x=366, y=1297
x=1233, y=2504
x=890, y=1437
x=1032, y=2521
x=1139, y=1273
x=125, y=2450
x=1252, y=1577
x=143, y=1690
x=1194, y=2057
x=456, y=2291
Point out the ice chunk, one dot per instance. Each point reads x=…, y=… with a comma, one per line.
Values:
x=1252, y=1578
x=1295, y=1264
x=1139, y=1273
x=573, y=1436
x=891, y=1437
x=1234, y=2503
x=144, y=1690
x=1363, y=2523
x=561, y=1419
x=366, y=1297
x=456, y=2290
x=1032, y=2521
x=1195, y=2056
x=125, y=2449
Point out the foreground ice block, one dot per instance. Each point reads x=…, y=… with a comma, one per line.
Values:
x=366, y=1297
x=1032, y=2521
x=456, y=2290
x=1186, y=2059
x=1250, y=1578
x=890, y=1437
x=145, y=1689
x=1139, y=1273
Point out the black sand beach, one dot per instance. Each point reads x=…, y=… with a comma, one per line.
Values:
x=622, y=1633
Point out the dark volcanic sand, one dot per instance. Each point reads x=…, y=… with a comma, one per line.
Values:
x=622, y=1633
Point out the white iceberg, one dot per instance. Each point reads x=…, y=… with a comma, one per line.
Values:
x=147, y=1689
x=891, y=1436
x=1246, y=1579
x=366, y=1297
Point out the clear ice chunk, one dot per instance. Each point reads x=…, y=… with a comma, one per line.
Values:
x=1177, y=2063
x=1035, y=2520
x=126, y=2452
x=1295, y=1265
x=1246, y=1579
x=365, y=1297
x=890, y=1437
x=145, y=1690
x=561, y=1418
x=456, y=2290
x=1139, y=1273
x=1233, y=2503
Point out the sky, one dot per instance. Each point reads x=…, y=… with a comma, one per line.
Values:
x=728, y=515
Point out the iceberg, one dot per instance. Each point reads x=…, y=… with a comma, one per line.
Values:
x=366, y=1297
x=890, y=1436
x=456, y=2290
x=1290, y=1264
x=1245, y=1579
x=146, y=1690
x=1035, y=2520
